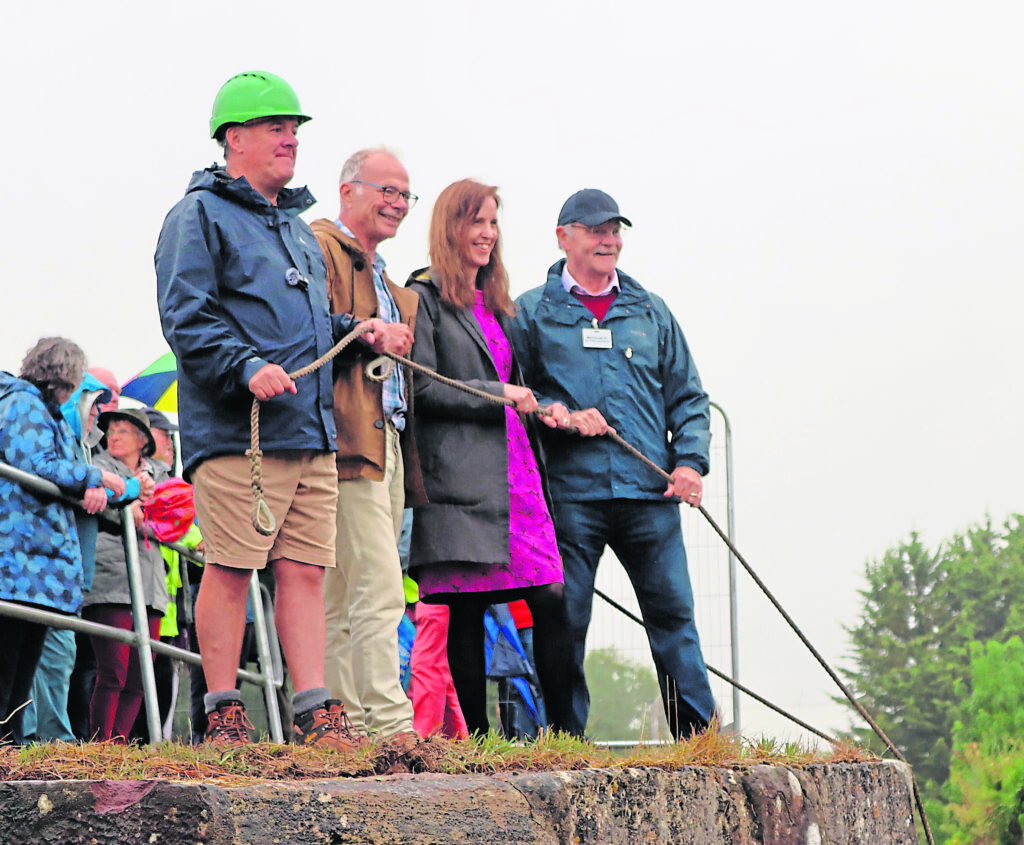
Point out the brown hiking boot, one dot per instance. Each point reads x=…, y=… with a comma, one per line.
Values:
x=228, y=725
x=327, y=727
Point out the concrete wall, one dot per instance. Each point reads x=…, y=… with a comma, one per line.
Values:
x=841, y=803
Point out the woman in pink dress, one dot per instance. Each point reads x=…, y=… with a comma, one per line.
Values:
x=486, y=536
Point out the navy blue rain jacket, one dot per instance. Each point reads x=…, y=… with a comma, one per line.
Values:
x=241, y=283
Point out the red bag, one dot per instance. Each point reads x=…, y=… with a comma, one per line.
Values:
x=171, y=511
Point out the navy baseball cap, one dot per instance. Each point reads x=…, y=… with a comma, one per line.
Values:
x=590, y=207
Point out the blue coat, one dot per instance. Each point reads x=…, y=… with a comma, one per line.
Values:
x=646, y=386
x=241, y=283
x=74, y=410
x=40, y=559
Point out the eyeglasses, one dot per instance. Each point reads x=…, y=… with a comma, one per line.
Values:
x=391, y=195
x=613, y=229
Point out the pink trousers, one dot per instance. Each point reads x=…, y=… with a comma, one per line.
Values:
x=434, y=702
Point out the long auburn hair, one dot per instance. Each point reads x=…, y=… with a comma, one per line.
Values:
x=454, y=212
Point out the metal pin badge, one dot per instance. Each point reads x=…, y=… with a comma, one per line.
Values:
x=629, y=351
x=295, y=279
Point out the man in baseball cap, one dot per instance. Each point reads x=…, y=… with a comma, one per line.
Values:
x=607, y=354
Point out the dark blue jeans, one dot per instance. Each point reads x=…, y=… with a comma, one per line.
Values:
x=646, y=536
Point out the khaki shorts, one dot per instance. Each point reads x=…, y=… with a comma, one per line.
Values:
x=301, y=489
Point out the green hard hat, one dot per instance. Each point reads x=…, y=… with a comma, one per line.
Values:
x=251, y=95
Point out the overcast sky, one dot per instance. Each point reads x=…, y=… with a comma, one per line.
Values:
x=829, y=196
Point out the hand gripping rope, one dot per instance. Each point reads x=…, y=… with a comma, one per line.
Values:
x=263, y=521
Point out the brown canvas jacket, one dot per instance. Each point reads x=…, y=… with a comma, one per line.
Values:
x=358, y=402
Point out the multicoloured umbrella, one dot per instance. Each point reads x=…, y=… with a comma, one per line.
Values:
x=157, y=385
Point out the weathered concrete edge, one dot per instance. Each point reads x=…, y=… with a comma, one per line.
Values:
x=835, y=803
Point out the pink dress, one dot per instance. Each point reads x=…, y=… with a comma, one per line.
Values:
x=533, y=551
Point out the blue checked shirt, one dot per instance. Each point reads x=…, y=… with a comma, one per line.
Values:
x=394, y=387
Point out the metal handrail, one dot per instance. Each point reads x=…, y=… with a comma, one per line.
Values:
x=271, y=674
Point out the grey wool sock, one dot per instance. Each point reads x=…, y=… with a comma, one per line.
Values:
x=310, y=699
x=213, y=700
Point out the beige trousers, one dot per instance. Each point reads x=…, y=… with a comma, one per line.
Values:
x=364, y=601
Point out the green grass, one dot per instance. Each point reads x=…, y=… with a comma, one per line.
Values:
x=265, y=761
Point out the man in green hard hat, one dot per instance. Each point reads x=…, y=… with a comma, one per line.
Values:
x=243, y=302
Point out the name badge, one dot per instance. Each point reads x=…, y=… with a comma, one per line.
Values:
x=597, y=338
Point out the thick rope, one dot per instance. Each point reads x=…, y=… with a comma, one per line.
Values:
x=262, y=518
x=259, y=508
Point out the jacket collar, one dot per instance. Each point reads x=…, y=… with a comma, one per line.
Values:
x=355, y=250
x=216, y=179
x=464, y=316
x=568, y=310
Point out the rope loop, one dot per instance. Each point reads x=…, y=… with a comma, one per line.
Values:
x=379, y=370
x=262, y=518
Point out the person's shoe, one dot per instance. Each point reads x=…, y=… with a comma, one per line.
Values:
x=327, y=727
x=228, y=725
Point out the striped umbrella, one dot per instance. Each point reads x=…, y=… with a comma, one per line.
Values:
x=157, y=385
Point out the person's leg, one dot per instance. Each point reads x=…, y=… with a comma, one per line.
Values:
x=111, y=668
x=338, y=589
x=197, y=684
x=369, y=526
x=557, y=670
x=166, y=676
x=467, y=658
x=220, y=622
x=22, y=647
x=83, y=681
x=582, y=535
x=299, y=614
x=48, y=720
x=428, y=665
x=130, y=700
x=28, y=660
x=454, y=722
x=435, y=703
x=649, y=543
x=319, y=720
x=531, y=725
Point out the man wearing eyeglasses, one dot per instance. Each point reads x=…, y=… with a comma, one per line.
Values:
x=376, y=459
x=593, y=340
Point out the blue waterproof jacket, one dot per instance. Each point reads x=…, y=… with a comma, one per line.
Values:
x=76, y=412
x=646, y=386
x=241, y=283
x=40, y=558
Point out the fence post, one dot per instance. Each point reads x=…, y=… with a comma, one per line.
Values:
x=734, y=614
x=131, y=554
x=259, y=619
